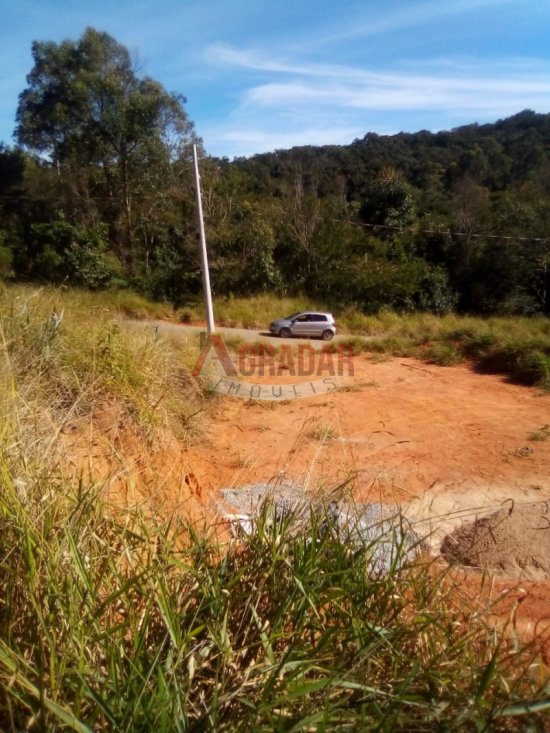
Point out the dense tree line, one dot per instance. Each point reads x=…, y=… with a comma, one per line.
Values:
x=99, y=192
x=459, y=218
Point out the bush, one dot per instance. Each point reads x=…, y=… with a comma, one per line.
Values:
x=72, y=253
x=444, y=354
x=527, y=362
x=435, y=294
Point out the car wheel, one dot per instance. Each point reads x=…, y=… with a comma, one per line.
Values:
x=284, y=333
x=327, y=335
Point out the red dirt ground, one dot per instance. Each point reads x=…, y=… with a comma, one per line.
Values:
x=400, y=428
x=446, y=443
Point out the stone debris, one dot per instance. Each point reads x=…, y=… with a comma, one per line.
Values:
x=285, y=496
x=380, y=528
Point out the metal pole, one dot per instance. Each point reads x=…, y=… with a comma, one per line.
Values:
x=204, y=255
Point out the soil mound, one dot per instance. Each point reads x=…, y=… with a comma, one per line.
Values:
x=514, y=541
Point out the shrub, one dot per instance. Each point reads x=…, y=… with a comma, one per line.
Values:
x=72, y=253
x=444, y=354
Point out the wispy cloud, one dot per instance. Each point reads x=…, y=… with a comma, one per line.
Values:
x=309, y=101
x=224, y=55
x=414, y=14
x=448, y=84
x=394, y=91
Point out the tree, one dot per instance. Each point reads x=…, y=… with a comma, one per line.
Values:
x=72, y=253
x=12, y=166
x=103, y=128
x=388, y=202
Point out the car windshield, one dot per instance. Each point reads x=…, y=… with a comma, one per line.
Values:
x=289, y=318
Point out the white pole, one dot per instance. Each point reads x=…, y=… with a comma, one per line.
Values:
x=204, y=255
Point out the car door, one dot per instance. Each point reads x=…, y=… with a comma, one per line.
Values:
x=318, y=325
x=300, y=325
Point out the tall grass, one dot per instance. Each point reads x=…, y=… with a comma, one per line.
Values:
x=257, y=311
x=67, y=352
x=111, y=627
x=515, y=346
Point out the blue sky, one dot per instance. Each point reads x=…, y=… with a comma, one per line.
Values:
x=266, y=74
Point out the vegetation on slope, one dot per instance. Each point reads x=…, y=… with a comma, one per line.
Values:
x=67, y=352
x=108, y=626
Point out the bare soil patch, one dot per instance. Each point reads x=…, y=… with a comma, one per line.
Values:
x=398, y=430
x=450, y=446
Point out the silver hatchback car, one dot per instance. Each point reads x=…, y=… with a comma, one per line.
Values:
x=305, y=323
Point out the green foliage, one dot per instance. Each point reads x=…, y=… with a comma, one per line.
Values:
x=471, y=202
x=419, y=221
x=84, y=99
x=116, y=141
x=372, y=284
x=388, y=202
x=167, y=275
x=527, y=362
x=242, y=254
x=435, y=294
x=72, y=253
x=444, y=354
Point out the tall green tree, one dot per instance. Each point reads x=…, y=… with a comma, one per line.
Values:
x=110, y=135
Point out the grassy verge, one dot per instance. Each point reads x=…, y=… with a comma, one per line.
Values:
x=516, y=347
x=67, y=352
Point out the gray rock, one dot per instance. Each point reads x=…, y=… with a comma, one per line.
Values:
x=380, y=529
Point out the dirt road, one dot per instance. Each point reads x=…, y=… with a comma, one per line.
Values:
x=245, y=334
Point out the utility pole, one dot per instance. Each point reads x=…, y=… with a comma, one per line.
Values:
x=204, y=254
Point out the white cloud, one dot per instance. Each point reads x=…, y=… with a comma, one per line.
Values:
x=503, y=75
x=313, y=103
x=247, y=137
x=394, y=92
x=414, y=14
x=510, y=83
x=247, y=59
